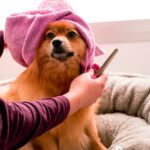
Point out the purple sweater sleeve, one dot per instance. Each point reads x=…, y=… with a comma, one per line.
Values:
x=19, y=122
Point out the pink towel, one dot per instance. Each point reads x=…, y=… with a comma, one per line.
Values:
x=23, y=31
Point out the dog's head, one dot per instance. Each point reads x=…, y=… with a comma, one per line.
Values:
x=61, y=50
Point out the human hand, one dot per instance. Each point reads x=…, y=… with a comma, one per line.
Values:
x=85, y=90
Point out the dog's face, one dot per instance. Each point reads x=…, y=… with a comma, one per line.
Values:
x=61, y=50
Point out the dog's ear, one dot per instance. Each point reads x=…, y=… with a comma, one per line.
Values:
x=1, y=43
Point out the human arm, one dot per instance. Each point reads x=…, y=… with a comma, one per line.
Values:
x=20, y=122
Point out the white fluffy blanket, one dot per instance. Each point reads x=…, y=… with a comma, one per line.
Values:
x=125, y=106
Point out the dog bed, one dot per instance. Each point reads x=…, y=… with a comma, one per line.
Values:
x=124, y=116
x=125, y=106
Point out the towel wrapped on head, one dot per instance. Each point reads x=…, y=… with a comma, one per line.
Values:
x=23, y=31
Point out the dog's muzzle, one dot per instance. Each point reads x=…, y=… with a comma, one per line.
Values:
x=59, y=51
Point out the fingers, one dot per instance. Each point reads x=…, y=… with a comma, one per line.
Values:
x=102, y=80
x=91, y=72
x=103, y=77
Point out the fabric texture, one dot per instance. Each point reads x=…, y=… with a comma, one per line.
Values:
x=19, y=122
x=125, y=106
x=23, y=31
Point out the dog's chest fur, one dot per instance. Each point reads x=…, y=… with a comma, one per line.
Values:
x=35, y=84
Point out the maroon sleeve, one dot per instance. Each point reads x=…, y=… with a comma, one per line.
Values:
x=19, y=122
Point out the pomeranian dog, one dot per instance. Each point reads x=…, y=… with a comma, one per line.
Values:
x=57, y=63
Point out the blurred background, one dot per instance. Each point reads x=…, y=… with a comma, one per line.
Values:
x=116, y=24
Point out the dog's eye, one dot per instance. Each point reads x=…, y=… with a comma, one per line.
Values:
x=71, y=34
x=50, y=35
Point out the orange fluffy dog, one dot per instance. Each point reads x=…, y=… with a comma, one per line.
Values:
x=57, y=63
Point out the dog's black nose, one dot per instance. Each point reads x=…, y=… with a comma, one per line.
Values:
x=57, y=43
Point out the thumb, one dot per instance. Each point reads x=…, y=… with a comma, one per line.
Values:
x=102, y=78
x=91, y=73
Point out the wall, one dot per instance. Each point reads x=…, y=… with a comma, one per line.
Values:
x=132, y=57
x=8, y=67
x=132, y=38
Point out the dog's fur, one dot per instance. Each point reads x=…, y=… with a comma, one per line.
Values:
x=50, y=75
